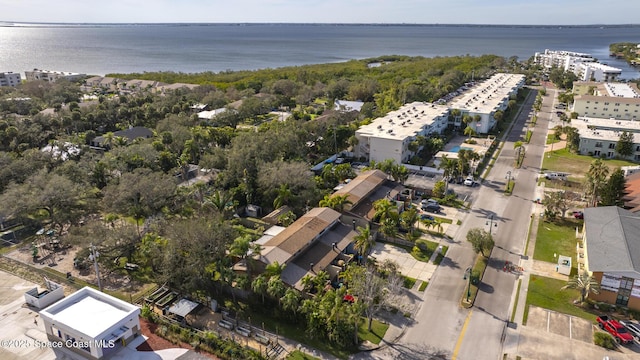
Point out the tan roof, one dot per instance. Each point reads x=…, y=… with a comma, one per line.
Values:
x=632, y=192
x=363, y=185
x=299, y=234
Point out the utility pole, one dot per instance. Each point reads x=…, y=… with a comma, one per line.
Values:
x=94, y=255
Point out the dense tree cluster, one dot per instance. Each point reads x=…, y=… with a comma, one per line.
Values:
x=128, y=199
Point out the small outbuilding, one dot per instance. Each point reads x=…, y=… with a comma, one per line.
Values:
x=91, y=324
x=564, y=265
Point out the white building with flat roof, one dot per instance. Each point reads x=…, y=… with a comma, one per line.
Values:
x=486, y=98
x=599, y=137
x=594, y=71
x=389, y=137
x=52, y=76
x=10, y=79
x=620, y=101
x=585, y=66
x=91, y=324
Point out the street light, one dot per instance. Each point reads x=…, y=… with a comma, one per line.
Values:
x=491, y=223
x=467, y=276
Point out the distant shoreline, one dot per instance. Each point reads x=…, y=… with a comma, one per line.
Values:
x=65, y=24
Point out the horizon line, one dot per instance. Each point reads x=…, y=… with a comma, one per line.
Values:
x=6, y=22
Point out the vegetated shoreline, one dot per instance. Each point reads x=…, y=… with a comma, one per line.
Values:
x=89, y=24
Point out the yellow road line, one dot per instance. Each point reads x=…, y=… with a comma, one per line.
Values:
x=464, y=330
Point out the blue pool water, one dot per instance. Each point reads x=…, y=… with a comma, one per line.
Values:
x=457, y=148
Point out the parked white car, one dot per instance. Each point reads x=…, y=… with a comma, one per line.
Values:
x=469, y=181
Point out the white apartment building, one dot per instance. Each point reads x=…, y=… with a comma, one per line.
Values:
x=52, y=76
x=389, y=137
x=619, y=101
x=583, y=65
x=599, y=137
x=593, y=71
x=91, y=324
x=485, y=99
x=10, y=79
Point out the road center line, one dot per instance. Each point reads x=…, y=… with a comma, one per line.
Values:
x=462, y=332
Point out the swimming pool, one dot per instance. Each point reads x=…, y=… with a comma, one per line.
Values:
x=457, y=148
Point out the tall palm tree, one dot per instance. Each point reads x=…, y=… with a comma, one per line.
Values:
x=290, y=301
x=389, y=227
x=259, y=285
x=596, y=178
x=585, y=283
x=363, y=242
x=284, y=196
x=449, y=167
x=276, y=287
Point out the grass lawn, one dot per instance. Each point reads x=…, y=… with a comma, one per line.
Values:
x=409, y=282
x=376, y=334
x=551, y=139
x=299, y=355
x=476, y=276
x=423, y=250
x=423, y=286
x=556, y=237
x=545, y=292
x=565, y=161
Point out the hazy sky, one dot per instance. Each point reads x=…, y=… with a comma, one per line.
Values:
x=529, y=12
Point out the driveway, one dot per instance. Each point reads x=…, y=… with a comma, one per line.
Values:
x=408, y=265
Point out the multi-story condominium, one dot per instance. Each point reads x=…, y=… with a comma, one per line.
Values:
x=583, y=65
x=599, y=137
x=51, y=76
x=566, y=60
x=593, y=71
x=620, y=101
x=486, y=98
x=10, y=79
x=389, y=137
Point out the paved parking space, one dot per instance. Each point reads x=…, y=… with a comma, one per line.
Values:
x=560, y=324
x=408, y=265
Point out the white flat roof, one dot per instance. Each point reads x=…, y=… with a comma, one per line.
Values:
x=606, y=129
x=621, y=90
x=485, y=97
x=89, y=311
x=408, y=121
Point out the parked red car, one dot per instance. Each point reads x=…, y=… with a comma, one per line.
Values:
x=578, y=214
x=616, y=329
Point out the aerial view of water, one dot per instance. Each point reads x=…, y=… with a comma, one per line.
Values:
x=109, y=48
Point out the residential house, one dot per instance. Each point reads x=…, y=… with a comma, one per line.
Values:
x=129, y=134
x=611, y=240
x=619, y=101
x=315, y=242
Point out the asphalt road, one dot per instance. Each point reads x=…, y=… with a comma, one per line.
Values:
x=441, y=326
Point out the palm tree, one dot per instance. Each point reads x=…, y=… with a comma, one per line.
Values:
x=276, y=287
x=585, y=283
x=389, y=227
x=221, y=201
x=307, y=283
x=364, y=242
x=335, y=202
x=259, y=285
x=383, y=209
x=408, y=218
x=284, y=196
x=290, y=301
x=108, y=140
x=274, y=269
x=448, y=166
x=596, y=178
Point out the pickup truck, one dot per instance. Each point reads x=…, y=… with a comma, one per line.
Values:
x=614, y=328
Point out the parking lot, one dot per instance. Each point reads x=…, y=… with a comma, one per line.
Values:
x=560, y=324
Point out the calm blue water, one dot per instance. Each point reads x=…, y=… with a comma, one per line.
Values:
x=218, y=47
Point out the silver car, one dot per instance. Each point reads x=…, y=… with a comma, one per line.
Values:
x=633, y=328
